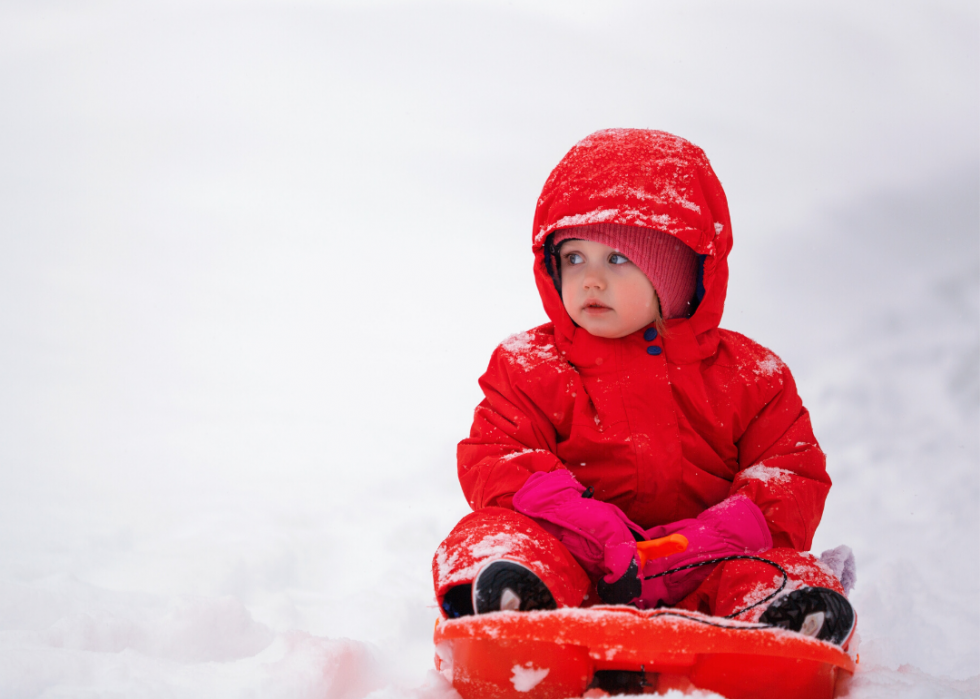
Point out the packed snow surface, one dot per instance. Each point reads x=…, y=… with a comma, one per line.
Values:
x=254, y=257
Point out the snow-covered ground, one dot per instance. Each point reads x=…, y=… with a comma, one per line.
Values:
x=253, y=257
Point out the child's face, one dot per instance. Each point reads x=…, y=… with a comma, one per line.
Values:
x=604, y=292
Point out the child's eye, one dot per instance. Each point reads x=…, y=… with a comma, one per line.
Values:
x=573, y=258
x=618, y=259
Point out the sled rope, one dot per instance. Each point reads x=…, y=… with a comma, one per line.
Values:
x=711, y=561
x=756, y=626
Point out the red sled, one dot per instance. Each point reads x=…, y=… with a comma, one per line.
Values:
x=563, y=653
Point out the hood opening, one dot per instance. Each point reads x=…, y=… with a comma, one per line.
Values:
x=648, y=179
x=551, y=261
x=552, y=256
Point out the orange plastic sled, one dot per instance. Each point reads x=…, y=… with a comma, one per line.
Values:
x=556, y=654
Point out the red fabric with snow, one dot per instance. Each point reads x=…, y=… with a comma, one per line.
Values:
x=664, y=436
x=494, y=532
x=736, y=585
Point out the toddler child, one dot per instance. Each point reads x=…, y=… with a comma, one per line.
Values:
x=632, y=416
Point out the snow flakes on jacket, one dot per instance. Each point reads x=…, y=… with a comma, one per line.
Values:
x=662, y=435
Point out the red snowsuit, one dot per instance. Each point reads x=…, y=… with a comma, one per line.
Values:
x=663, y=429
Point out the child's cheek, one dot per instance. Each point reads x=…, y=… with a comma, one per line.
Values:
x=569, y=305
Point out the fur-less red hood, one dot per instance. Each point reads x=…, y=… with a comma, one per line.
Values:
x=641, y=178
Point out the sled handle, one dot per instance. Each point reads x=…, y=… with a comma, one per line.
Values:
x=658, y=548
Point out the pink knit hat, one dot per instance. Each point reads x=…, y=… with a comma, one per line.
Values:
x=669, y=264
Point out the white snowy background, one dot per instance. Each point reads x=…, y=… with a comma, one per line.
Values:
x=254, y=256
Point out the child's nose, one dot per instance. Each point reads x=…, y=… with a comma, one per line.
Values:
x=594, y=279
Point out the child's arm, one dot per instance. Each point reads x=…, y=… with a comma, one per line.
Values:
x=511, y=436
x=783, y=469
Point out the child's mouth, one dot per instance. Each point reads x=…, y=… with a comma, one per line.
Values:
x=595, y=307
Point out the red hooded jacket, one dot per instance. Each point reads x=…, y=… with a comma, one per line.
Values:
x=662, y=435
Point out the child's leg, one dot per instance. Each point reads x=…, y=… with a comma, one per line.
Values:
x=737, y=584
x=495, y=533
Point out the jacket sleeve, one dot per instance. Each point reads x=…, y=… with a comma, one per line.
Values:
x=510, y=439
x=781, y=466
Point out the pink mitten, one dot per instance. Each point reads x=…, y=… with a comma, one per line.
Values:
x=596, y=533
x=733, y=526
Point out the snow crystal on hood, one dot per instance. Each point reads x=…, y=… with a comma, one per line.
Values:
x=767, y=474
x=597, y=216
x=677, y=198
x=667, y=192
x=623, y=215
x=622, y=190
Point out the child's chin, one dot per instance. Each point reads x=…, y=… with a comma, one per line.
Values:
x=605, y=332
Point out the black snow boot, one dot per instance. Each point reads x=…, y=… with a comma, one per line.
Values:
x=818, y=612
x=458, y=601
x=503, y=585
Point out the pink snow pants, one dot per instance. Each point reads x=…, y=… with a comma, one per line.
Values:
x=494, y=533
